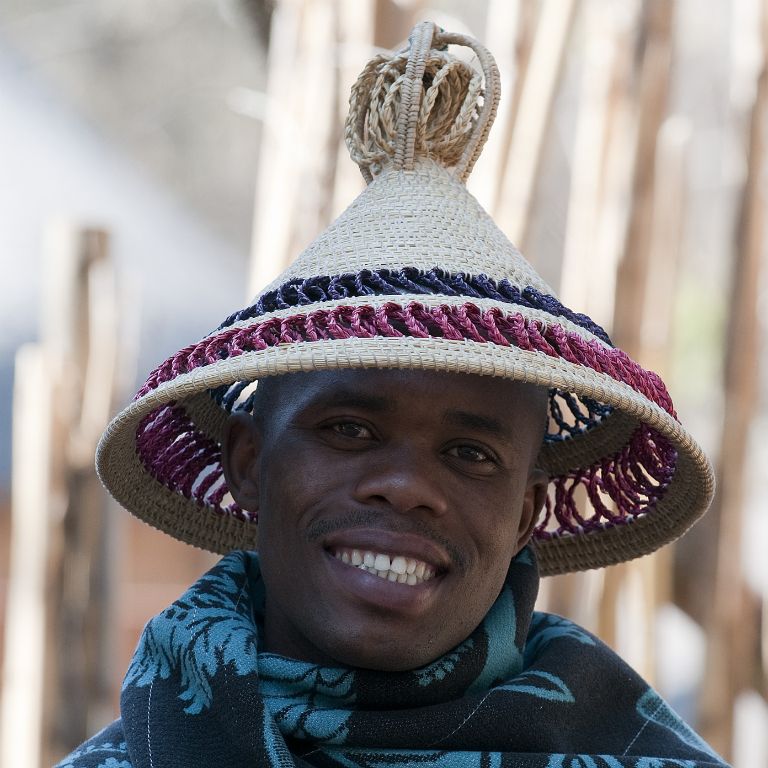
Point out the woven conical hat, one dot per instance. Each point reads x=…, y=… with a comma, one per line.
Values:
x=415, y=274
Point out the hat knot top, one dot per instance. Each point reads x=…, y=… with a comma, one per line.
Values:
x=421, y=102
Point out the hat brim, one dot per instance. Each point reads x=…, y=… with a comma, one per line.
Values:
x=180, y=489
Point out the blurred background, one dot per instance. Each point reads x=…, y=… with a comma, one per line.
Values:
x=161, y=160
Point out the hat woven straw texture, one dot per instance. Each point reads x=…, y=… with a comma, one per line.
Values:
x=415, y=274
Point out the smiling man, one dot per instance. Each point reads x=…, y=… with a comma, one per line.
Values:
x=401, y=495
x=389, y=447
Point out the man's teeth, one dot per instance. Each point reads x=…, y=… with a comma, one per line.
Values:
x=404, y=570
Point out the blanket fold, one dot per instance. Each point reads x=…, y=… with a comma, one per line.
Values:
x=525, y=689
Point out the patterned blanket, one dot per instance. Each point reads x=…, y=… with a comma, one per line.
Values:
x=526, y=689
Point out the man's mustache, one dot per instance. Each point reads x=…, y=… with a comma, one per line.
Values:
x=385, y=522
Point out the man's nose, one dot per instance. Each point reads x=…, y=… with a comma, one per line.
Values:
x=404, y=480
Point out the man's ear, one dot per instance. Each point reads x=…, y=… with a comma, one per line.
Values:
x=241, y=459
x=533, y=503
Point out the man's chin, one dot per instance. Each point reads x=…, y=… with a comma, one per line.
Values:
x=366, y=637
x=383, y=654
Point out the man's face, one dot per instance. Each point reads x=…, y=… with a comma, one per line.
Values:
x=390, y=505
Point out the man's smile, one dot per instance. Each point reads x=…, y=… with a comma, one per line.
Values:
x=382, y=595
x=399, y=568
x=390, y=570
x=368, y=530
x=384, y=549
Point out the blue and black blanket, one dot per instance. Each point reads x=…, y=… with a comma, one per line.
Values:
x=526, y=689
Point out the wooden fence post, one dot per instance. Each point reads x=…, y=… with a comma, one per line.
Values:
x=732, y=627
x=528, y=134
x=58, y=605
x=509, y=33
x=24, y=673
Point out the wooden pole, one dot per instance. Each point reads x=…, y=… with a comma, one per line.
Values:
x=632, y=274
x=635, y=591
x=640, y=293
x=81, y=693
x=509, y=34
x=316, y=49
x=593, y=188
x=731, y=631
x=624, y=599
x=282, y=152
x=60, y=565
x=597, y=211
x=356, y=30
x=620, y=115
x=533, y=115
x=24, y=672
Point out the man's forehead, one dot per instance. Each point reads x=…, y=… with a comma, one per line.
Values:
x=377, y=386
x=467, y=400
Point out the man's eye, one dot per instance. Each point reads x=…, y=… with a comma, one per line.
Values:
x=351, y=429
x=470, y=453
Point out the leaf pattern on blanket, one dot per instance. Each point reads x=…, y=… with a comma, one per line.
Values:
x=544, y=685
x=299, y=697
x=207, y=628
x=440, y=669
x=548, y=627
x=609, y=761
x=105, y=749
x=654, y=709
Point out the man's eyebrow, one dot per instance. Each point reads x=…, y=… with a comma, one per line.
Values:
x=350, y=398
x=476, y=421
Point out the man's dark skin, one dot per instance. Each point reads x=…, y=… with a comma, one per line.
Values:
x=430, y=467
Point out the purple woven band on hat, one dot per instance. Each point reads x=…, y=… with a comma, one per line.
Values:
x=620, y=487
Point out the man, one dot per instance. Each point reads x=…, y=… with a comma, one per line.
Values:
x=429, y=430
